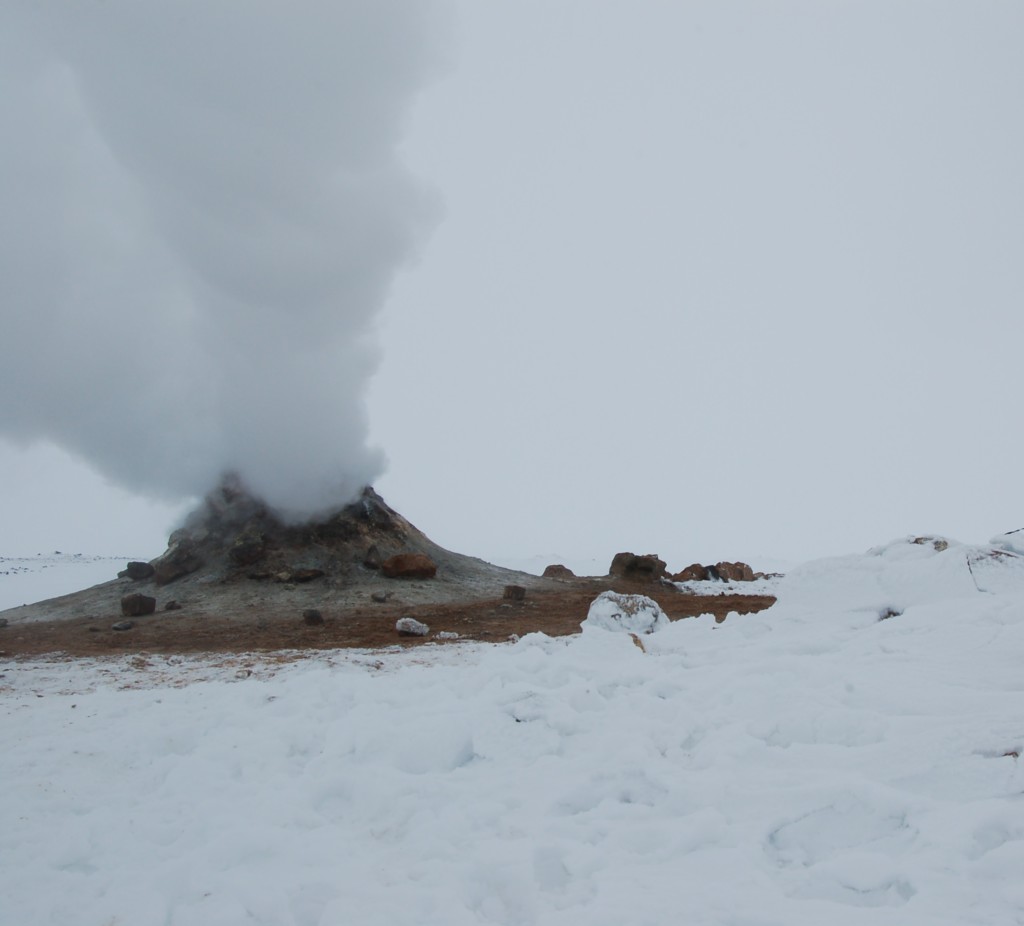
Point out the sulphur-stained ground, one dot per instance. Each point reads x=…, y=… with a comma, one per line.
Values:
x=228, y=622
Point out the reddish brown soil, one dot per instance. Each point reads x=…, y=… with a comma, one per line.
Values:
x=557, y=612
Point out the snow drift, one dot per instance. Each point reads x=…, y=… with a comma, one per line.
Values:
x=812, y=763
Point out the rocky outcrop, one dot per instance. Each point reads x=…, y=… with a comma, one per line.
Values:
x=558, y=571
x=409, y=566
x=137, y=571
x=735, y=572
x=694, y=573
x=180, y=559
x=720, y=572
x=631, y=566
x=249, y=547
x=372, y=558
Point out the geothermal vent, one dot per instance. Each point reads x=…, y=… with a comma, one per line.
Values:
x=233, y=538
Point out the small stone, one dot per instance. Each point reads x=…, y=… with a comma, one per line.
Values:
x=514, y=593
x=137, y=605
x=172, y=606
x=410, y=627
x=123, y=625
x=312, y=617
x=380, y=597
x=306, y=575
x=446, y=635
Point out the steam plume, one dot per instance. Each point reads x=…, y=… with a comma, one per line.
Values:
x=203, y=210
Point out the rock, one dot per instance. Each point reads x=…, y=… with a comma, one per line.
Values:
x=410, y=627
x=631, y=566
x=380, y=597
x=713, y=575
x=694, y=573
x=409, y=566
x=137, y=571
x=179, y=560
x=306, y=575
x=122, y=625
x=735, y=572
x=446, y=635
x=312, y=617
x=372, y=559
x=249, y=547
x=514, y=593
x=3, y=621
x=558, y=571
x=172, y=606
x=137, y=605
x=627, y=613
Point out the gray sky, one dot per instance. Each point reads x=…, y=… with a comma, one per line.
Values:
x=715, y=280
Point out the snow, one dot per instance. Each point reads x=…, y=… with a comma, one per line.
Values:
x=26, y=579
x=811, y=763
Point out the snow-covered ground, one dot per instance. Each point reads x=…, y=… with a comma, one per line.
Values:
x=848, y=757
x=26, y=579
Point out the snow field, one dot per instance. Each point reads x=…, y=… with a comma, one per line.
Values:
x=808, y=764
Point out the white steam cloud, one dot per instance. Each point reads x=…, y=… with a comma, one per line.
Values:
x=202, y=211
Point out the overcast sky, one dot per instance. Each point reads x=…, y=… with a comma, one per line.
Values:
x=713, y=280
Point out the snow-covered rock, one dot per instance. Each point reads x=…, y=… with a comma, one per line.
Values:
x=411, y=627
x=1012, y=541
x=626, y=613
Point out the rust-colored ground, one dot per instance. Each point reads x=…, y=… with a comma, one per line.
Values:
x=557, y=612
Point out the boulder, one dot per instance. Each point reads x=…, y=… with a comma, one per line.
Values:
x=410, y=627
x=137, y=605
x=514, y=593
x=694, y=573
x=558, y=571
x=409, y=566
x=625, y=613
x=312, y=617
x=632, y=566
x=735, y=572
x=172, y=606
x=180, y=559
x=137, y=571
